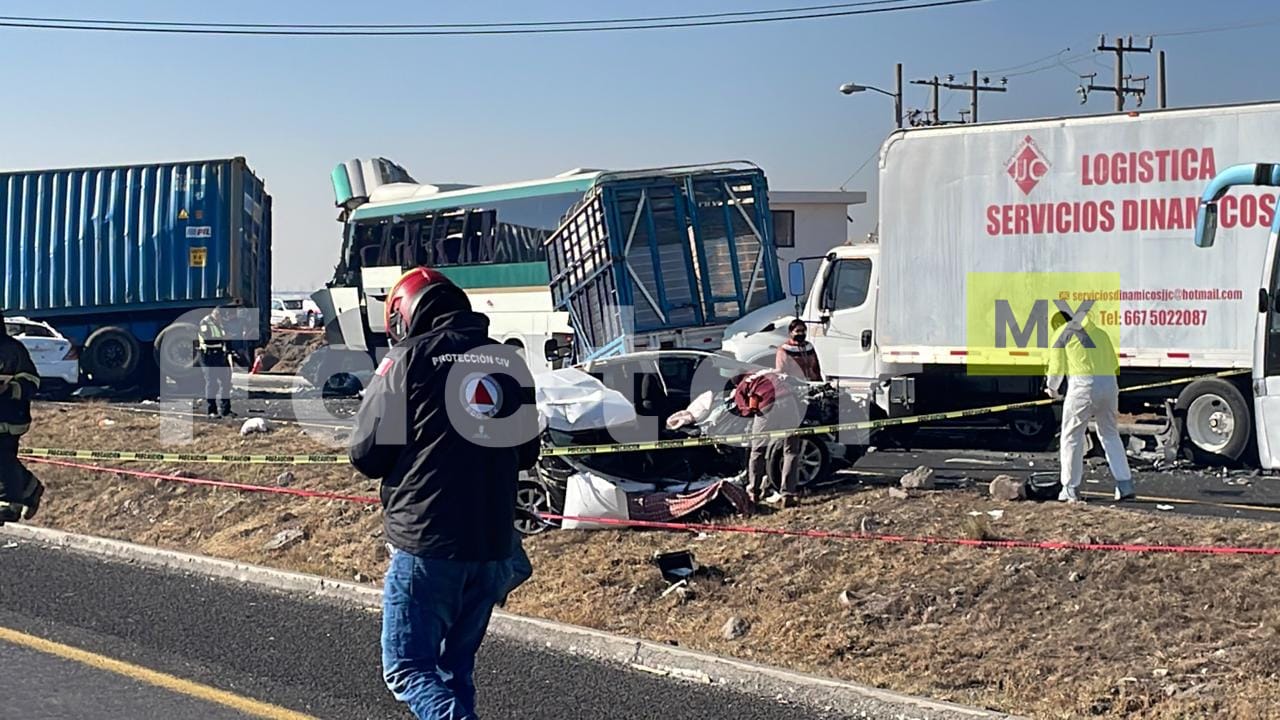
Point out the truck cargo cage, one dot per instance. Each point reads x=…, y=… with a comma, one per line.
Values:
x=658, y=252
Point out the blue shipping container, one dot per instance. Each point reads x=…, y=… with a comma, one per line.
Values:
x=129, y=249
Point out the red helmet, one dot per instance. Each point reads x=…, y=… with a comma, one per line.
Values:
x=403, y=299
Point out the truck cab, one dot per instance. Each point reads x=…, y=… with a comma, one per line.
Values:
x=840, y=311
x=1266, y=338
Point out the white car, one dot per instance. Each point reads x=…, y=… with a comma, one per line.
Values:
x=294, y=312
x=57, y=359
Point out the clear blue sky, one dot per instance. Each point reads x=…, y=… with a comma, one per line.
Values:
x=507, y=108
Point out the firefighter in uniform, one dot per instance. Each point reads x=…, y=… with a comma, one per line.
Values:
x=215, y=359
x=20, y=491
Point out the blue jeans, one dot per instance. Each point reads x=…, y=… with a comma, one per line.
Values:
x=434, y=617
x=521, y=568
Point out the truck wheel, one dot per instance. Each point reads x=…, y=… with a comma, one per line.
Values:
x=111, y=355
x=1216, y=419
x=814, y=462
x=175, y=349
x=1034, y=428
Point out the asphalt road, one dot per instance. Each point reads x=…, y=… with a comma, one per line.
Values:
x=301, y=655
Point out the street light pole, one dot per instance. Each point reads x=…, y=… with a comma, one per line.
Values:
x=851, y=88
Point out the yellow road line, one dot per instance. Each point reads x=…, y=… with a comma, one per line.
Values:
x=151, y=677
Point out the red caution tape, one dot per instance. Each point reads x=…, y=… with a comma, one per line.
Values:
x=246, y=487
x=714, y=528
x=925, y=540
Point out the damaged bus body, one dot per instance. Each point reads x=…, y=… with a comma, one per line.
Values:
x=689, y=248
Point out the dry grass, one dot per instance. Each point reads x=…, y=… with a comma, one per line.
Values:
x=1049, y=634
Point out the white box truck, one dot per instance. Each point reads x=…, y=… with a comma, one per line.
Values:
x=1114, y=193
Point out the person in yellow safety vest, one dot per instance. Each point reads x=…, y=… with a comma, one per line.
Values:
x=20, y=491
x=215, y=360
x=1085, y=357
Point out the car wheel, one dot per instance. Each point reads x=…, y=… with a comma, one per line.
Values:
x=533, y=499
x=814, y=462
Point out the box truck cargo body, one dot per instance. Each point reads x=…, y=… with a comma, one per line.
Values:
x=114, y=256
x=1112, y=196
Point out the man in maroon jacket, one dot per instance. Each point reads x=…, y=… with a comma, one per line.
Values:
x=765, y=398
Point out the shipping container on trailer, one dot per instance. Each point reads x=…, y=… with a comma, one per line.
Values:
x=657, y=259
x=114, y=256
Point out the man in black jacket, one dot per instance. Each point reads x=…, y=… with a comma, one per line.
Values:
x=447, y=424
x=20, y=491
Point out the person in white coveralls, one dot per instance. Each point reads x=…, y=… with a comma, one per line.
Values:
x=1082, y=353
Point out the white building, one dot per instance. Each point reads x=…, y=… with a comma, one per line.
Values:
x=808, y=223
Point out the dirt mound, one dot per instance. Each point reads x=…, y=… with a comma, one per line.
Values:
x=1044, y=633
x=288, y=349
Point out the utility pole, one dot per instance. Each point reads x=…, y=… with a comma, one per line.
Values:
x=1121, y=88
x=974, y=88
x=897, y=93
x=931, y=117
x=1162, y=101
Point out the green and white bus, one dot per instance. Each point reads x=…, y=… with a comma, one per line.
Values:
x=490, y=240
x=670, y=256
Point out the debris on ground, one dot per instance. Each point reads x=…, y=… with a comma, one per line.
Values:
x=898, y=493
x=675, y=566
x=255, y=425
x=106, y=423
x=285, y=539
x=288, y=349
x=285, y=479
x=922, y=478
x=1164, y=508
x=1007, y=488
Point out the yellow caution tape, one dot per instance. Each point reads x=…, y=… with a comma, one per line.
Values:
x=844, y=427
x=607, y=448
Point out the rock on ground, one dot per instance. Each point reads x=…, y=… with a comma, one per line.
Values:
x=919, y=479
x=1006, y=487
x=734, y=628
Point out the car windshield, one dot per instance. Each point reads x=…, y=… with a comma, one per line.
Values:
x=28, y=330
x=293, y=304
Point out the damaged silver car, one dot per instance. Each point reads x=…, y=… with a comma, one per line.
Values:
x=662, y=395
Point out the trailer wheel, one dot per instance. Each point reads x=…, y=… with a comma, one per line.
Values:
x=175, y=350
x=111, y=355
x=1216, y=420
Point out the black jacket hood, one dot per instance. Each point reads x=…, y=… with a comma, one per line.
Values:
x=445, y=306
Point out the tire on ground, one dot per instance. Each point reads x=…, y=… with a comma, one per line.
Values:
x=111, y=355
x=1217, y=421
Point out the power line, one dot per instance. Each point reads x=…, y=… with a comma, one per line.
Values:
x=1218, y=29
x=490, y=29
x=1037, y=61
x=429, y=26
x=854, y=174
